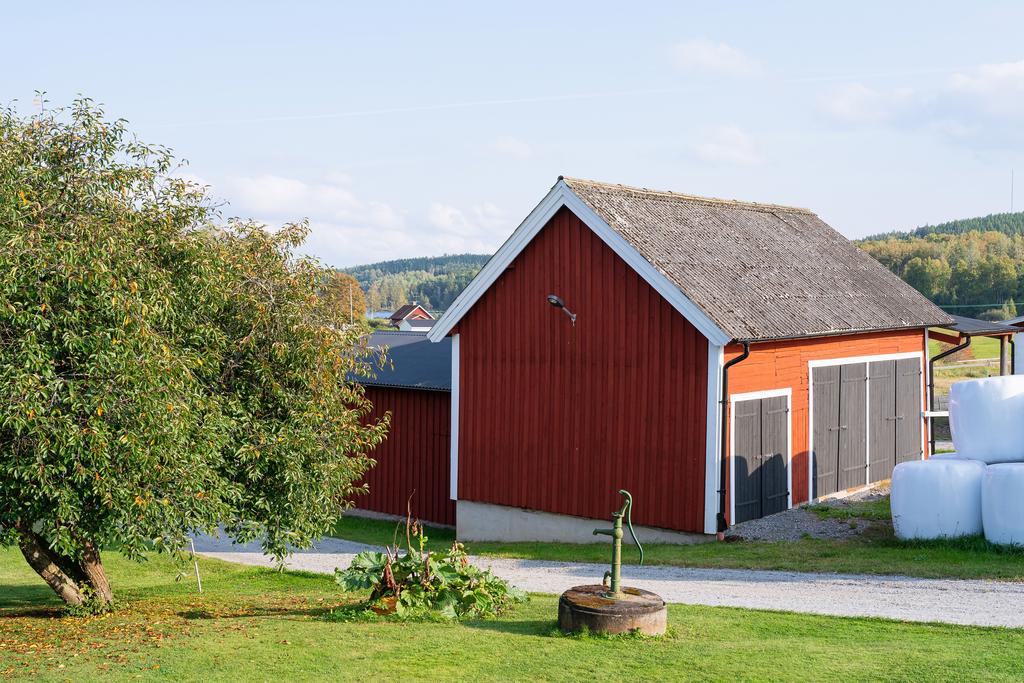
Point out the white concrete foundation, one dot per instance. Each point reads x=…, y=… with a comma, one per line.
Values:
x=386, y=517
x=486, y=522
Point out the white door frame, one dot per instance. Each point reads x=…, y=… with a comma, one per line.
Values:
x=752, y=396
x=852, y=360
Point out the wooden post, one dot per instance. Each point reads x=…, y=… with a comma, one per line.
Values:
x=1004, y=361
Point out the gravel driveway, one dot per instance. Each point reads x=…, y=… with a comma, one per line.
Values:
x=798, y=522
x=983, y=603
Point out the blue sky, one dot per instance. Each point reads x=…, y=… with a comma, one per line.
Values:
x=410, y=129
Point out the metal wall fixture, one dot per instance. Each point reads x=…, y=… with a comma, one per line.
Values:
x=557, y=302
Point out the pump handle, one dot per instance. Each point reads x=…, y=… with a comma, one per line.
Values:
x=627, y=509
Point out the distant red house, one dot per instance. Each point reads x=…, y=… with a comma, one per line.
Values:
x=721, y=360
x=411, y=311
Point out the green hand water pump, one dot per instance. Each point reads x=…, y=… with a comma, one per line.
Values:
x=615, y=532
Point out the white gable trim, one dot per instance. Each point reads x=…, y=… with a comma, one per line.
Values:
x=559, y=196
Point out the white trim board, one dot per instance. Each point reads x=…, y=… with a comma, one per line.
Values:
x=851, y=360
x=453, y=457
x=926, y=392
x=753, y=396
x=926, y=432
x=862, y=359
x=562, y=195
x=712, y=461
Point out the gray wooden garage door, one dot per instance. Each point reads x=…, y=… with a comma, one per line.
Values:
x=760, y=457
x=853, y=425
x=840, y=427
x=882, y=418
x=894, y=415
x=867, y=419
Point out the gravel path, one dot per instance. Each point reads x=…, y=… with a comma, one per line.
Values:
x=794, y=524
x=983, y=603
x=798, y=522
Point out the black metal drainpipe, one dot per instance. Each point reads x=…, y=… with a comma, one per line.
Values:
x=723, y=475
x=1013, y=355
x=931, y=389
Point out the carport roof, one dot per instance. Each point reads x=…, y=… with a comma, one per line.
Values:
x=980, y=328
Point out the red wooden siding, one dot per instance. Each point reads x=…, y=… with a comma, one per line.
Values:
x=415, y=456
x=777, y=365
x=558, y=418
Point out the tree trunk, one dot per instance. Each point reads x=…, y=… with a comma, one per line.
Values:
x=92, y=567
x=70, y=579
x=41, y=559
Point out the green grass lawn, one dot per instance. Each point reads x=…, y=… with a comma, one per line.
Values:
x=259, y=625
x=877, y=551
x=981, y=347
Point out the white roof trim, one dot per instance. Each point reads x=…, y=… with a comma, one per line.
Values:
x=562, y=195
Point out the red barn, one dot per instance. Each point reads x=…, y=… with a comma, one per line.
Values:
x=413, y=462
x=721, y=360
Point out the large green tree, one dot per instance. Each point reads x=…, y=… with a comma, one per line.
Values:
x=930, y=276
x=163, y=373
x=342, y=298
x=971, y=272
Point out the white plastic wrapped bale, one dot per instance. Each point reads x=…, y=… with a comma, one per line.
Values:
x=937, y=498
x=1002, y=503
x=986, y=417
x=945, y=456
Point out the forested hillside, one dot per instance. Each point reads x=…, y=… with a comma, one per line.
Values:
x=1006, y=223
x=972, y=267
x=432, y=281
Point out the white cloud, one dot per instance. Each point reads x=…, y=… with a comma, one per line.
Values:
x=277, y=195
x=858, y=104
x=982, y=105
x=190, y=178
x=347, y=228
x=482, y=220
x=511, y=147
x=706, y=56
x=995, y=89
x=728, y=145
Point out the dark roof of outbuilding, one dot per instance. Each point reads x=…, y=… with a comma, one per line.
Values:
x=416, y=364
x=981, y=327
x=420, y=323
x=759, y=271
x=393, y=338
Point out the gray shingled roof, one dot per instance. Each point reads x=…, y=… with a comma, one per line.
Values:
x=759, y=271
